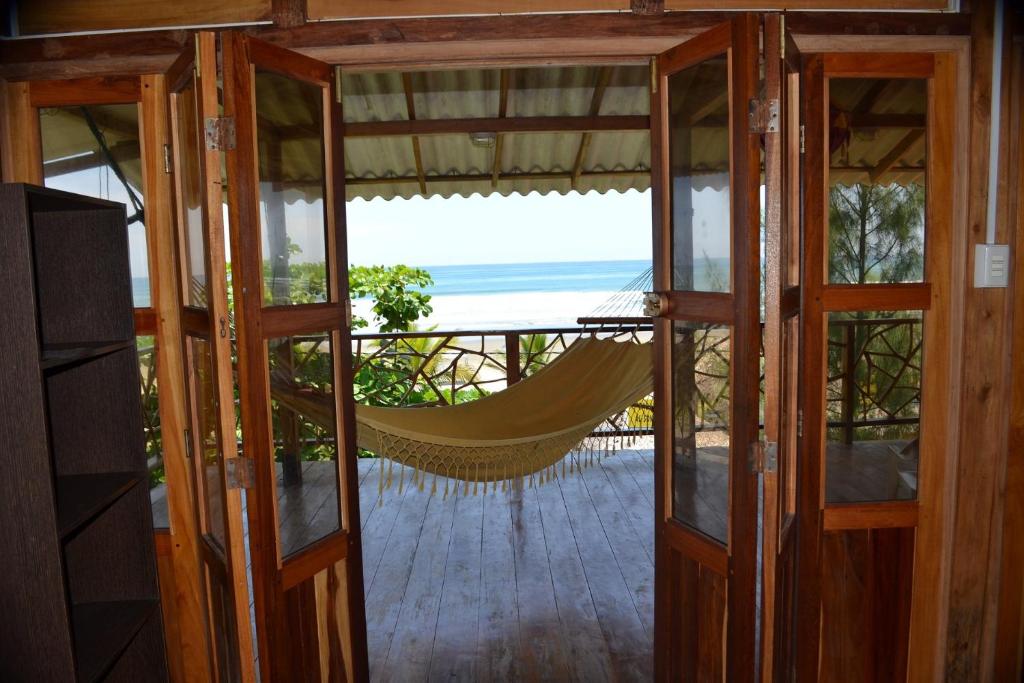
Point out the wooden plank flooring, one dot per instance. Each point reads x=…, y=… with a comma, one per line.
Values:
x=553, y=582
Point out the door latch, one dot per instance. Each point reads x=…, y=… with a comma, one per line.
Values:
x=655, y=304
x=240, y=472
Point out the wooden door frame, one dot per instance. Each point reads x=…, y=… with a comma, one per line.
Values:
x=18, y=162
x=932, y=511
x=291, y=592
x=735, y=560
x=199, y=66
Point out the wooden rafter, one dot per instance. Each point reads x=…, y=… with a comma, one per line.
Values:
x=410, y=107
x=868, y=99
x=603, y=77
x=890, y=159
x=499, y=139
x=525, y=124
x=710, y=107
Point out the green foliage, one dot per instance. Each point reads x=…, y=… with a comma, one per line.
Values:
x=532, y=353
x=396, y=305
x=876, y=233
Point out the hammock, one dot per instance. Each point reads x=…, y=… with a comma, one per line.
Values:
x=520, y=432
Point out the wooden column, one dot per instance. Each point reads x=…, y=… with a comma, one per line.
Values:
x=985, y=390
x=187, y=605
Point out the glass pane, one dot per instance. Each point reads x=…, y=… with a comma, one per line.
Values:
x=305, y=444
x=698, y=101
x=873, y=406
x=790, y=406
x=876, y=191
x=191, y=189
x=146, y=349
x=289, y=132
x=205, y=438
x=700, y=437
x=95, y=151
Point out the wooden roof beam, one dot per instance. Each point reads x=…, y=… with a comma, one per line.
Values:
x=525, y=124
x=410, y=107
x=603, y=77
x=890, y=159
x=503, y=88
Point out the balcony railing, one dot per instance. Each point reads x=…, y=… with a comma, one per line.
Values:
x=433, y=368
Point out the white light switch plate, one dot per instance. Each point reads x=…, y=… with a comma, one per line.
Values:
x=991, y=265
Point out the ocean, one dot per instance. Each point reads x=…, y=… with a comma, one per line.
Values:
x=509, y=295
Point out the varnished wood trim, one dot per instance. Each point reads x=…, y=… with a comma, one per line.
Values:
x=790, y=302
x=711, y=307
x=287, y=321
x=891, y=515
x=188, y=583
x=21, y=151
x=85, y=90
x=525, y=124
x=714, y=41
x=879, y=65
x=195, y=321
x=264, y=55
x=162, y=542
x=899, y=297
x=697, y=547
x=145, y=321
x=313, y=559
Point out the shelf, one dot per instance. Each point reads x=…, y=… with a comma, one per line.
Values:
x=60, y=355
x=81, y=497
x=103, y=631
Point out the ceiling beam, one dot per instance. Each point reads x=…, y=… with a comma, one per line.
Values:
x=525, y=124
x=410, y=108
x=865, y=121
x=450, y=37
x=499, y=139
x=288, y=13
x=603, y=77
x=890, y=159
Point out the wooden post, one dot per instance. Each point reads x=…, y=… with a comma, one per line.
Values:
x=513, y=369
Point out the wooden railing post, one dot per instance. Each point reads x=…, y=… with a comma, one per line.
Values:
x=513, y=370
x=849, y=386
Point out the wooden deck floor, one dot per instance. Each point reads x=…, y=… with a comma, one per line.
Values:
x=550, y=583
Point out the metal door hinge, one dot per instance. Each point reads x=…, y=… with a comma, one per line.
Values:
x=763, y=456
x=337, y=84
x=195, y=60
x=167, y=159
x=800, y=423
x=654, y=75
x=240, y=472
x=220, y=133
x=348, y=313
x=655, y=304
x=188, y=443
x=801, y=138
x=763, y=115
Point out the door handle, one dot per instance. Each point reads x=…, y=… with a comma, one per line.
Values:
x=655, y=304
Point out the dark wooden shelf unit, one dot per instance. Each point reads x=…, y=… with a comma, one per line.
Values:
x=56, y=356
x=78, y=584
x=80, y=497
x=103, y=630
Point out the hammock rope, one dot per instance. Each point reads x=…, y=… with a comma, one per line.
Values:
x=520, y=433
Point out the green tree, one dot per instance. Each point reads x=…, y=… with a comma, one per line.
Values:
x=876, y=233
x=396, y=304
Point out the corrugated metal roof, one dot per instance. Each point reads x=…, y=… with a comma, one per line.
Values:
x=289, y=129
x=530, y=162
